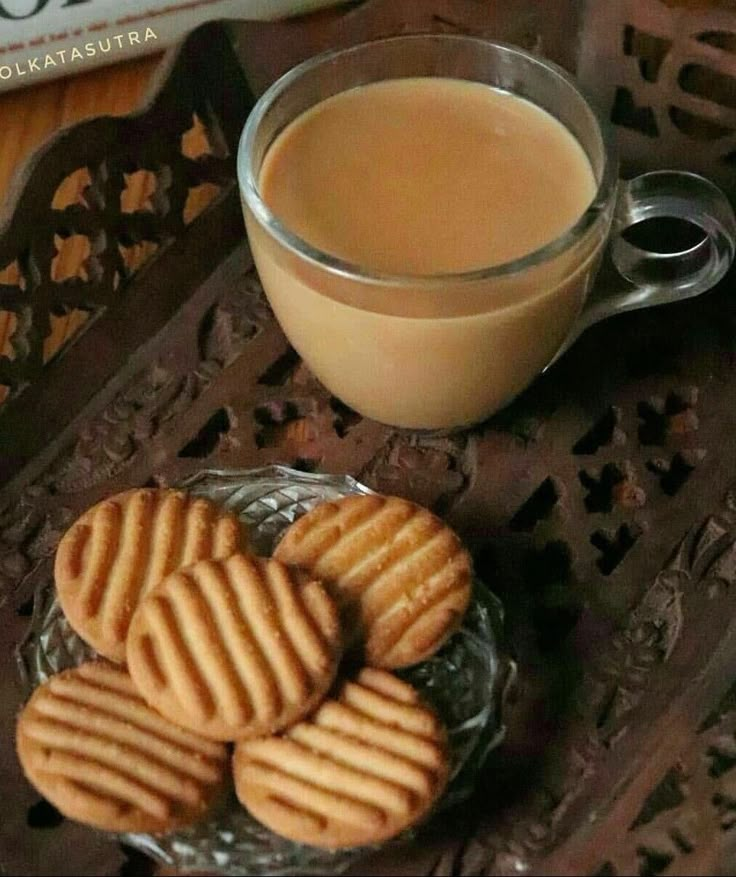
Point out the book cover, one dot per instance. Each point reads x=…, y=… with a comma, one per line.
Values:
x=43, y=39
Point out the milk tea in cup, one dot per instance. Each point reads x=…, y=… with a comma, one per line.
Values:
x=412, y=188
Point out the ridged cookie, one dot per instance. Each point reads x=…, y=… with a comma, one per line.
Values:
x=90, y=744
x=366, y=766
x=235, y=648
x=121, y=548
x=401, y=576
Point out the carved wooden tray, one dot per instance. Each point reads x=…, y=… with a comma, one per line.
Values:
x=601, y=506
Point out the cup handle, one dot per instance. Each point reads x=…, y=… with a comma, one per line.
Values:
x=631, y=277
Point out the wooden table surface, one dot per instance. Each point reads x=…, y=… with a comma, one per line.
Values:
x=31, y=115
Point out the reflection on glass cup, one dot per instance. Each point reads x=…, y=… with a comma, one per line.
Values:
x=448, y=350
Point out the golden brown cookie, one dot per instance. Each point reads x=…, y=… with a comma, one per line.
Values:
x=91, y=745
x=118, y=550
x=400, y=575
x=235, y=648
x=367, y=765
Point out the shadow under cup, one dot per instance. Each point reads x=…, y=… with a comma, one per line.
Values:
x=441, y=351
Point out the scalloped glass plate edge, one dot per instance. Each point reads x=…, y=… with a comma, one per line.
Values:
x=466, y=682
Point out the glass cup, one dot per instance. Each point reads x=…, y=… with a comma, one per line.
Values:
x=448, y=350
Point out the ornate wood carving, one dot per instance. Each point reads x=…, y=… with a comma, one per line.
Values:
x=665, y=74
x=601, y=507
x=180, y=147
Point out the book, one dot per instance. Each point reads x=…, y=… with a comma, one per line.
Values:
x=43, y=39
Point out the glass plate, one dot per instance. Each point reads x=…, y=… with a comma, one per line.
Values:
x=463, y=681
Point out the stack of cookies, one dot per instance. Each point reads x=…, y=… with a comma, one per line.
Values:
x=205, y=644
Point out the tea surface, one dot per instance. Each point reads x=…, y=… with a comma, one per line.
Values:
x=427, y=175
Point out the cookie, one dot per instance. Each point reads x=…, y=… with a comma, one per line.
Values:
x=91, y=745
x=235, y=648
x=368, y=764
x=400, y=575
x=120, y=549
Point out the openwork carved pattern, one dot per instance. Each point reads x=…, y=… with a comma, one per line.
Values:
x=693, y=801
x=107, y=196
x=667, y=75
x=600, y=506
x=571, y=540
x=77, y=263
